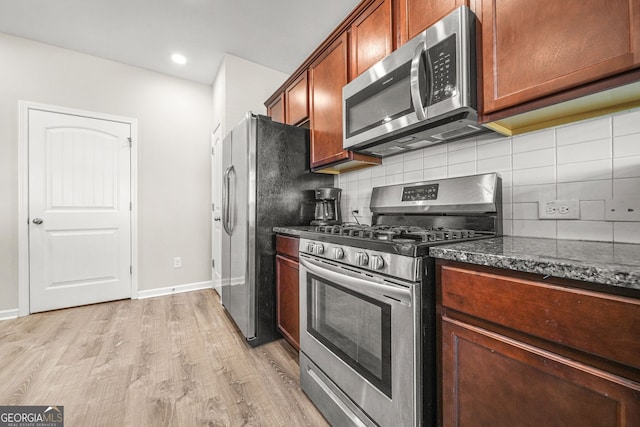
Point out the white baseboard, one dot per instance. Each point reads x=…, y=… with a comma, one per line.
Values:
x=9, y=314
x=150, y=293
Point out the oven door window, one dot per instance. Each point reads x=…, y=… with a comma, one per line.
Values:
x=355, y=327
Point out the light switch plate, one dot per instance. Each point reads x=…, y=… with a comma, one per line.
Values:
x=559, y=209
x=622, y=210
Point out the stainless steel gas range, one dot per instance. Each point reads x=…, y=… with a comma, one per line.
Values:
x=367, y=300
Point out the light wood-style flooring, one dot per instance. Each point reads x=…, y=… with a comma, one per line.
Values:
x=168, y=361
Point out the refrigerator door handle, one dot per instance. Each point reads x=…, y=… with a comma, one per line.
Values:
x=225, y=200
x=232, y=199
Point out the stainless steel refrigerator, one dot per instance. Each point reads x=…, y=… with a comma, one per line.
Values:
x=266, y=182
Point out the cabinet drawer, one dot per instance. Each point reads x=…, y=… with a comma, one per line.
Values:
x=287, y=245
x=600, y=324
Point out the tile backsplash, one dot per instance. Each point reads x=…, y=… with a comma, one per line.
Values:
x=591, y=161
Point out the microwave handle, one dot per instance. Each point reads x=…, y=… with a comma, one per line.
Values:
x=415, y=81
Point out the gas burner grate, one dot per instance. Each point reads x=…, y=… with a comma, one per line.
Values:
x=397, y=233
x=435, y=235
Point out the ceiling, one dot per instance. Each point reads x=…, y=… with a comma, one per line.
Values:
x=278, y=34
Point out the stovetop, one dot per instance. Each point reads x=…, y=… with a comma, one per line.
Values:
x=397, y=233
x=407, y=240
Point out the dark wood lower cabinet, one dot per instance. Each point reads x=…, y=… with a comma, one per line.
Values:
x=519, y=350
x=287, y=289
x=491, y=380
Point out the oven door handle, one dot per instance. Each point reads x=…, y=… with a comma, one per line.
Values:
x=356, y=284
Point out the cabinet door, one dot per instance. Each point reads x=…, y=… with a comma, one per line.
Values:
x=287, y=300
x=415, y=16
x=297, y=101
x=328, y=76
x=276, y=109
x=371, y=37
x=491, y=380
x=532, y=50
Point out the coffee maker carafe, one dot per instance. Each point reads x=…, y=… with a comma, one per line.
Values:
x=327, y=206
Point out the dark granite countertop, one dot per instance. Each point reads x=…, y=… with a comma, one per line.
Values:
x=609, y=264
x=293, y=230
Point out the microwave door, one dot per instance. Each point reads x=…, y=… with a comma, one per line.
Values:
x=378, y=103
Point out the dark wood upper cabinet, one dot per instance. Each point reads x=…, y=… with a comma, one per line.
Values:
x=371, y=37
x=534, y=50
x=297, y=100
x=362, y=39
x=415, y=16
x=275, y=109
x=292, y=105
x=365, y=42
x=328, y=76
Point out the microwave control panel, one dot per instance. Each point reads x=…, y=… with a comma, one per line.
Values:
x=443, y=69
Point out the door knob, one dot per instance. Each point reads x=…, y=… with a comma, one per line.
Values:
x=217, y=218
x=37, y=220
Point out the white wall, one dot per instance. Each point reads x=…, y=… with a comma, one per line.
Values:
x=174, y=124
x=592, y=161
x=242, y=86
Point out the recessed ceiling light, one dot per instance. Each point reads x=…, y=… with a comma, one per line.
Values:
x=178, y=59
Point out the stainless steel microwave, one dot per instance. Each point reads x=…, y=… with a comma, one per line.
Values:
x=421, y=94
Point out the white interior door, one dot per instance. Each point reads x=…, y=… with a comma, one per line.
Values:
x=216, y=208
x=79, y=210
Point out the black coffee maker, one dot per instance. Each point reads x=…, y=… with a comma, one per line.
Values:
x=327, y=206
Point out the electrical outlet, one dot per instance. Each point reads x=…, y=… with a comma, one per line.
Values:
x=622, y=210
x=559, y=209
x=177, y=262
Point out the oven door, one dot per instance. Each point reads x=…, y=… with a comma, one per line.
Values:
x=359, y=342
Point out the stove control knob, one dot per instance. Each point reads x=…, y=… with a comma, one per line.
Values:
x=362, y=259
x=377, y=262
x=338, y=253
x=310, y=247
x=319, y=249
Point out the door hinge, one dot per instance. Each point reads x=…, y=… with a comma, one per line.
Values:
x=212, y=151
x=130, y=206
x=213, y=263
x=131, y=269
x=130, y=142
